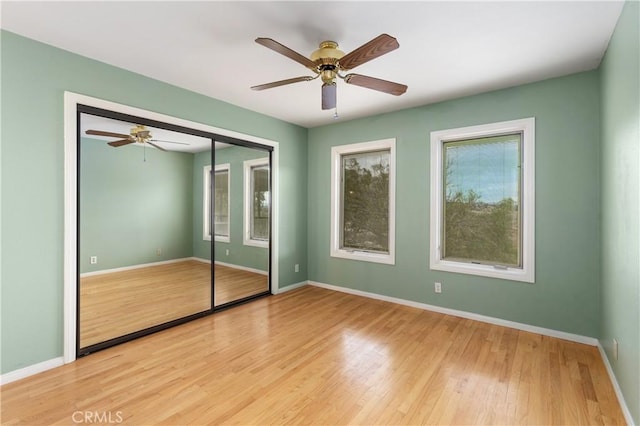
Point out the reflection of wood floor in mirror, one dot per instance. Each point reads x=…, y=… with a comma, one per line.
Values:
x=118, y=303
x=234, y=284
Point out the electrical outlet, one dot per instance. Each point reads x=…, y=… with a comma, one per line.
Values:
x=227, y=252
x=615, y=349
x=437, y=287
x=94, y=260
x=158, y=251
x=296, y=268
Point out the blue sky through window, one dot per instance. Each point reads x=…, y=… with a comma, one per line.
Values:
x=489, y=167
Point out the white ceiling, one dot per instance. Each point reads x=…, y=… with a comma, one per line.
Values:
x=447, y=49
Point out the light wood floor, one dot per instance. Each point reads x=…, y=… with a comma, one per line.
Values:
x=313, y=356
x=234, y=284
x=115, y=304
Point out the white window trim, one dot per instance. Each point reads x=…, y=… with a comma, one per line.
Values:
x=248, y=165
x=527, y=127
x=336, y=169
x=206, y=203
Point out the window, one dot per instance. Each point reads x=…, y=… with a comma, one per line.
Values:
x=221, y=202
x=363, y=201
x=256, y=202
x=482, y=200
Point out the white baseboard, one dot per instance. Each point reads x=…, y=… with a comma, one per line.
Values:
x=21, y=373
x=166, y=262
x=292, y=287
x=616, y=386
x=462, y=314
x=132, y=267
x=240, y=267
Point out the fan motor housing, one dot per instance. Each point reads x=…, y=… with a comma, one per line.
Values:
x=327, y=57
x=327, y=54
x=140, y=133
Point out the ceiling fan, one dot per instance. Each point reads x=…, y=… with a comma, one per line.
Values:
x=327, y=62
x=139, y=134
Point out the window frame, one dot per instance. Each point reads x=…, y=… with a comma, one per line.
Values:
x=526, y=273
x=248, y=166
x=336, y=201
x=207, y=188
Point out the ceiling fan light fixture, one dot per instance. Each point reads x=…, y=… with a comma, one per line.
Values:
x=329, y=95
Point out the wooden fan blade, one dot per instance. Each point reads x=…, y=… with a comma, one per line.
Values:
x=379, y=46
x=121, y=142
x=329, y=96
x=282, y=83
x=156, y=146
x=284, y=50
x=376, y=84
x=101, y=133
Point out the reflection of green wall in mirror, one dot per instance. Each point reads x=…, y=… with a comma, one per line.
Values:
x=239, y=254
x=130, y=208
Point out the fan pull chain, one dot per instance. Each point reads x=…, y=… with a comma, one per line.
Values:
x=144, y=150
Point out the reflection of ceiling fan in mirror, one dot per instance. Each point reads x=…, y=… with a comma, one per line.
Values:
x=139, y=134
x=328, y=61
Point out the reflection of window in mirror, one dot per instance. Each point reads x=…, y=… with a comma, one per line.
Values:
x=256, y=202
x=221, y=204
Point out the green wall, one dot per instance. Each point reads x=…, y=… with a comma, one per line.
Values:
x=565, y=295
x=34, y=79
x=130, y=207
x=620, y=204
x=239, y=254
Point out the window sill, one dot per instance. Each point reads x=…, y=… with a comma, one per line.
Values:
x=363, y=256
x=256, y=243
x=220, y=239
x=488, y=271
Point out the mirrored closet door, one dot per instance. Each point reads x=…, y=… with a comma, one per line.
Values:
x=240, y=222
x=169, y=229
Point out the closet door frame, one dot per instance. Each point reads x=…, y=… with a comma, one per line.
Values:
x=74, y=105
